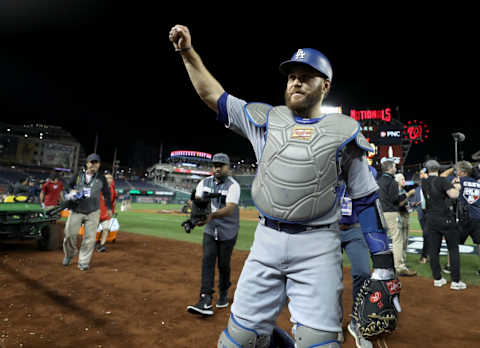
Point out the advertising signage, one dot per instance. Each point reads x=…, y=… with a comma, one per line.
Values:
x=192, y=171
x=389, y=135
x=150, y=192
x=361, y=115
x=416, y=132
x=188, y=153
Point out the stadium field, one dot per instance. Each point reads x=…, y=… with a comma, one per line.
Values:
x=136, y=293
x=153, y=220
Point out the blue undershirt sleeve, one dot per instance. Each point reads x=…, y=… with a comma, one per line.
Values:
x=222, y=115
x=375, y=236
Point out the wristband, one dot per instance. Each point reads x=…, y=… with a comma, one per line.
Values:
x=383, y=274
x=182, y=49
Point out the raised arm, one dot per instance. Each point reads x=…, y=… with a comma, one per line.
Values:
x=207, y=87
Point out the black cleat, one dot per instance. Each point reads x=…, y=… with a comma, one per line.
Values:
x=203, y=306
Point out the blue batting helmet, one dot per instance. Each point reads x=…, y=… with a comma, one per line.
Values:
x=311, y=57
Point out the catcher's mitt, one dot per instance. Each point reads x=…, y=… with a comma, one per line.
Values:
x=374, y=310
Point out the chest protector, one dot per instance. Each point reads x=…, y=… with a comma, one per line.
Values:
x=297, y=175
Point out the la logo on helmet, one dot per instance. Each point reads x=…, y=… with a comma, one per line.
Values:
x=300, y=54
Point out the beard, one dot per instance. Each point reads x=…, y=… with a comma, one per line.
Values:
x=304, y=106
x=220, y=175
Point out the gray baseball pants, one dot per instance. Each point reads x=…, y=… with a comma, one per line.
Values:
x=303, y=268
x=72, y=227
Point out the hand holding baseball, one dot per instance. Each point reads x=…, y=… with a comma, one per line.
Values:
x=180, y=37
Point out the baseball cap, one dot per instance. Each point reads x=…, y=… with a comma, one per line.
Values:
x=432, y=164
x=93, y=157
x=221, y=158
x=310, y=57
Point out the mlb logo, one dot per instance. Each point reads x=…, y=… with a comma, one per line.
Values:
x=471, y=194
x=472, y=199
x=305, y=133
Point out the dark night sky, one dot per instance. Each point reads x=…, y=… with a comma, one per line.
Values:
x=91, y=66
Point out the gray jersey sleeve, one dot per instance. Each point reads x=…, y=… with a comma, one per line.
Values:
x=239, y=123
x=359, y=179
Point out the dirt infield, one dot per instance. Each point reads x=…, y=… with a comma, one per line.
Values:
x=135, y=295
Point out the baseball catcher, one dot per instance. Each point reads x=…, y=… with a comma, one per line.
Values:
x=304, y=156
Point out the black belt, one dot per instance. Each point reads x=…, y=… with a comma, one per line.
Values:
x=291, y=228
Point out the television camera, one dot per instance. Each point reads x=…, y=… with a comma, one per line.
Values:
x=200, y=209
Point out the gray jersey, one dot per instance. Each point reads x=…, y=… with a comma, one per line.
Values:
x=354, y=165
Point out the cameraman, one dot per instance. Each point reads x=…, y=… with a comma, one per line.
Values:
x=220, y=234
x=86, y=210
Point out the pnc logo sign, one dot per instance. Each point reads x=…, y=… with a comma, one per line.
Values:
x=390, y=134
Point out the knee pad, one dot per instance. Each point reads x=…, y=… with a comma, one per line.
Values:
x=236, y=335
x=306, y=337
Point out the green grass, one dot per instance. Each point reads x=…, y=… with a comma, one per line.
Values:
x=168, y=226
x=469, y=264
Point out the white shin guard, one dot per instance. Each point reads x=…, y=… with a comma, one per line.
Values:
x=236, y=335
